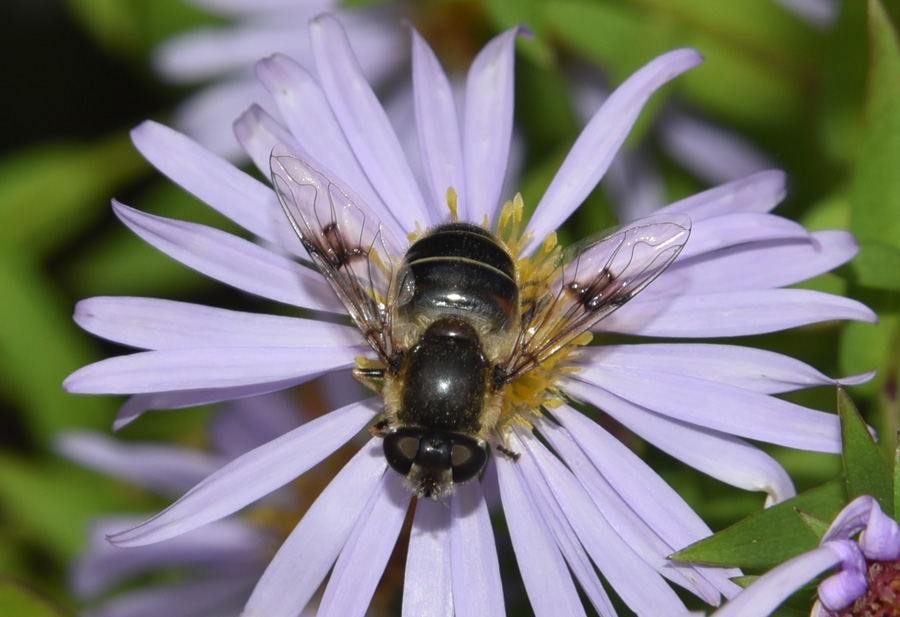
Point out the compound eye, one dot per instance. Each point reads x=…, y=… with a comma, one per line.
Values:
x=467, y=458
x=400, y=448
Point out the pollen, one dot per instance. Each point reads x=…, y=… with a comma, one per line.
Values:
x=522, y=399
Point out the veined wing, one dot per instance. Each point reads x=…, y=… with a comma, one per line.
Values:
x=346, y=241
x=594, y=278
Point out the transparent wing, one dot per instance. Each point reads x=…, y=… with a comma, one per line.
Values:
x=346, y=241
x=592, y=279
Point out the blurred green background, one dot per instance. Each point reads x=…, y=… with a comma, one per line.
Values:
x=822, y=102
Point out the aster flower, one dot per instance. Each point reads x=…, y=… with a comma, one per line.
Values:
x=867, y=569
x=587, y=503
x=222, y=57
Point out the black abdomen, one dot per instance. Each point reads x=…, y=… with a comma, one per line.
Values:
x=446, y=376
x=459, y=269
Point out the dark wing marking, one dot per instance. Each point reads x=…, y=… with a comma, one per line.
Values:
x=346, y=241
x=593, y=278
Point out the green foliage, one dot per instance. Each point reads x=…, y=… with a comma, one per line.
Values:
x=770, y=537
x=864, y=468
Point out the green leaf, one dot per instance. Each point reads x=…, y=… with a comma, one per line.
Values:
x=877, y=265
x=50, y=193
x=814, y=523
x=39, y=347
x=864, y=468
x=133, y=28
x=875, y=196
x=770, y=537
x=20, y=600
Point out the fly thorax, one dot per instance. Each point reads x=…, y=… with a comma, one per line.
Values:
x=459, y=270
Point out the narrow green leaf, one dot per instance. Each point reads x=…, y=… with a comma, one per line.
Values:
x=875, y=196
x=20, y=600
x=770, y=537
x=864, y=468
x=814, y=523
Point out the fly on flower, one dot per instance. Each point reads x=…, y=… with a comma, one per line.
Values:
x=469, y=335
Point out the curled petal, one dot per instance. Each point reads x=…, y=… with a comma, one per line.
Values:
x=840, y=590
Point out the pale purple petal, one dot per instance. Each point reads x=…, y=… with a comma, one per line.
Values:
x=226, y=547
x=760, y=265
x=427, y=584
x=437, y=120
x=204, y=53
x=649, y=516
x=316, y=131
x=135, y=406
x=216, y=182
x=475, y=569
x=253, y=475
x=841, y=589
x=820, y=13
x=738, y=229
x=752, y=369
x=203, y=115
x=600, y=140
x=149, y=323
x=205, y=598
x=880, y=537
x=710, y=152
x=258, y=133
x=244, y=424
x=757, y=193
x=774, y=587
x=207, y=368
x=232, y=260
x=736, y=313
x=309, y=552
x=163, y=468
x=488, y=122
x=365, y=555
x=634, y=481
x=634, y=580
x=569, y=545
x=364, y=122
x=634, y=185
x=547, y=580
x=716, y=454
x=720, y=407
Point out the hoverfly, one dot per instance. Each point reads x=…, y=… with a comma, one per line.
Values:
x=454, y=320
